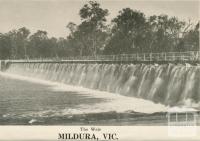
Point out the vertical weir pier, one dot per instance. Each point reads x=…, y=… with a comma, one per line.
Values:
x=3, y=65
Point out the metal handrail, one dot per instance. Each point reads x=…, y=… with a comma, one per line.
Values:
x=163, y=56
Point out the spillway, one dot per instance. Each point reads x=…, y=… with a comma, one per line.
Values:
x=168, y=84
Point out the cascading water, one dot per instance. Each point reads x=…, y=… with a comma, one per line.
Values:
x=168, y=84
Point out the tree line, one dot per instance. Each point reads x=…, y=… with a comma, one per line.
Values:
x=131, y=31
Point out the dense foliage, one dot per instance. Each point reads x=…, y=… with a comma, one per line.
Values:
x=130, y=32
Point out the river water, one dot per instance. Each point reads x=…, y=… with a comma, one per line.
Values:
x=26, y=101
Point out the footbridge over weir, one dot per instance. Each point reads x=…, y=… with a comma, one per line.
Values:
x=172, y=82
x=191, y=57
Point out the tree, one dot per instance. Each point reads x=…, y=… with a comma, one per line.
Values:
x=90, y=34
x=38, y=45
x=72, y=27
x=5, y=47
x=18, y=39
x=191, y=39
x=23, y=34
x=63, y=48
x=168, y=33
x=127, y=32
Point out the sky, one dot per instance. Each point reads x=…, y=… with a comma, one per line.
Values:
x=53, y=15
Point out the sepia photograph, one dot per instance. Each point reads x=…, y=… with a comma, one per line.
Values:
x=106, y=63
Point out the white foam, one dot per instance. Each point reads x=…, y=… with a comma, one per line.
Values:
x=114, y=102
x=181, y=109
x=32, y=121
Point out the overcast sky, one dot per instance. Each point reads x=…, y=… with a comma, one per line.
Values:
x=53, y=15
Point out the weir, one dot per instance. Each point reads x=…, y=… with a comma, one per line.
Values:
x=169, y=81
x=168, y=84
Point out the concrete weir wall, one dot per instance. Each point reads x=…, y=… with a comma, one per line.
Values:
x=3, y=65
x=168, y=84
